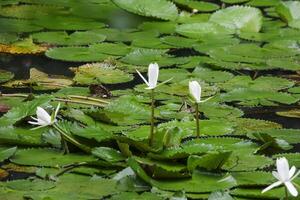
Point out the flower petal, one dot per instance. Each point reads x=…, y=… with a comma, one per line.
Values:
x=271, y=186
x=56, y=112
x=291, y=188
x=153, y=71
x=33, y=123
x=283, y=169
x=292, y=172
x=142, y=77
x=275, y=174
x=43, y=115
x=297, y=174
x=195, y=90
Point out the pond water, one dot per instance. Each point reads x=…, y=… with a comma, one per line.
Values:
x=114, y=139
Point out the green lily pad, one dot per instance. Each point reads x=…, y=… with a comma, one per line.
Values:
x=152, y=8
x=245, y=19
x=62, y=38
x=250, y=97
x=211, y=76
x=75, y=54
x=199, y=5
x=195, y=184
x=48, y=157
x=116, y=49
x=108, y=154
x=18, y=26
x=99, y=73
x=7, y=153
x=288, y=10
x=5, y=76
x=200, y=30
x=261, y=83
x=41, y=81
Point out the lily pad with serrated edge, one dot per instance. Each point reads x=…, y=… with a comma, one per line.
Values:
x=201, y=6
x=25, y=46
x=211, y=76
x=258, y=97
x=245, y=19
x=248, y=125
x=199, y=30
x=99, y=73
x=288, y=10
x=213, y=181
x=161, y=9
x=261, y=83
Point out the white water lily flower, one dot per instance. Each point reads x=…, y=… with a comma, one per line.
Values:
x=43, y=118
x=153, y=71
x=285, y=176
x=195, y=90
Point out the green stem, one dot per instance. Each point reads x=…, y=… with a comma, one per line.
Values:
x=152, y=119
x=65, y=145
x=70, y=167
x=14, y=95
x=88, y=98
x=79, y=102
x=197, y=120
x=286, y=193
x=72, y=140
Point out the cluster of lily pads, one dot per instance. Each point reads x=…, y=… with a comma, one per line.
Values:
x=110, y=138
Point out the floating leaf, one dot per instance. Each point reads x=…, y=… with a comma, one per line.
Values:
x=245, y=19
x=108, y=154
x=195, y=184
x=7, y=38
x=258, y=97
x=151, y=43
x=41, y=81
x=75, y=54
x=261, y=83
x=116, y=49
x=17, y=26
x=99, y=73
x=178, y=41
x=25, y=46
x=162, y=27
x=7, y=153
x=288, y=10
x=295, y=113
x=199, y=5
x=127, y=110
x=200, y=30
x=209, y=161
x=62, y=38
x=248, y=125
x=211, y=76
x=289, y=135
x=67, y=23
x=21, y=111
x=5, y=76
x=151, y=8
x=48, y=157
x=21, y=136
